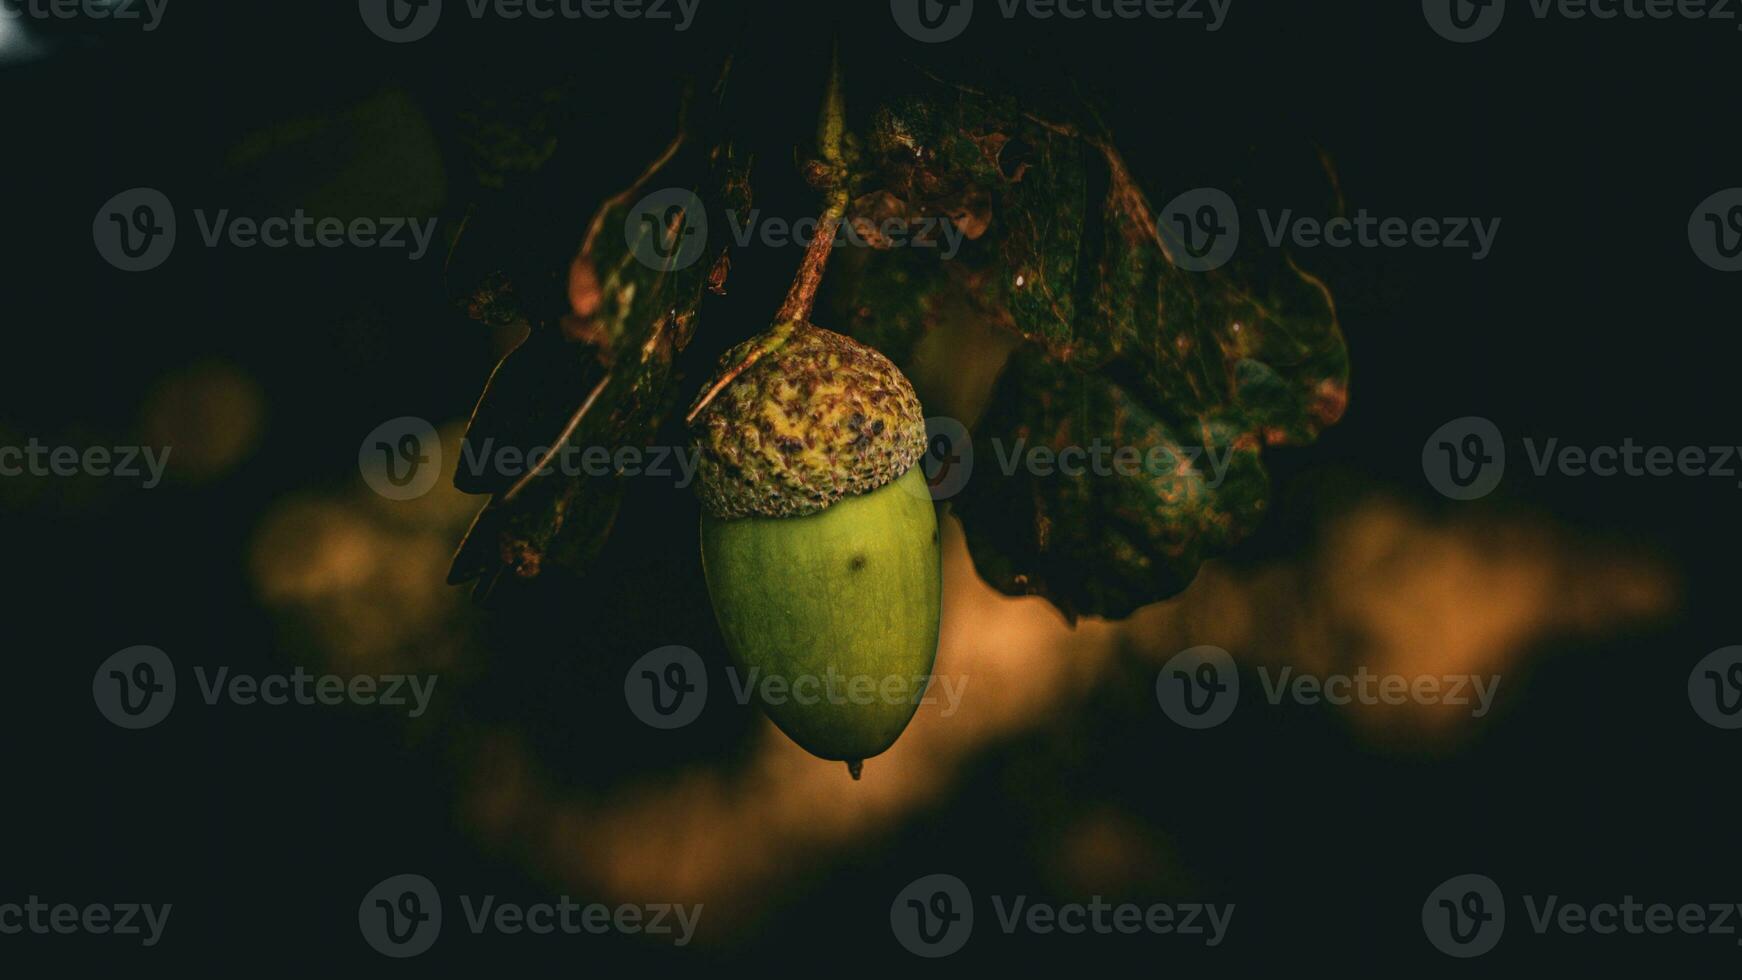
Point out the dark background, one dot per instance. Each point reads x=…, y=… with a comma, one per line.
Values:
x=1591, y=322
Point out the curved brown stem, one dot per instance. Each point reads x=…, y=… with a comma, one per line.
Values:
x=795, y=312
x=802, y=297
x=831, y=134
x=770, y=341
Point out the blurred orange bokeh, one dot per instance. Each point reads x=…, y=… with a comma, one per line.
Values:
x=1386, y=588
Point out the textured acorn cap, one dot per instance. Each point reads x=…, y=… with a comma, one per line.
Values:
x=817, y=418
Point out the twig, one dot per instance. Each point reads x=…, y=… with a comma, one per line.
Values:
x=561, y=440
x=801, y=298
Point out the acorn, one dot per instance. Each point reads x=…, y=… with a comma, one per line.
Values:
x=819, y=538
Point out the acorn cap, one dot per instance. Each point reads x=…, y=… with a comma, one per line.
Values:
x=814, y=418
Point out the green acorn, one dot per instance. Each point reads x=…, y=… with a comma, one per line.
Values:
x=819, y=538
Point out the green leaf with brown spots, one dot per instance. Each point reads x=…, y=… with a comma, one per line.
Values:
x=1159, y=386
